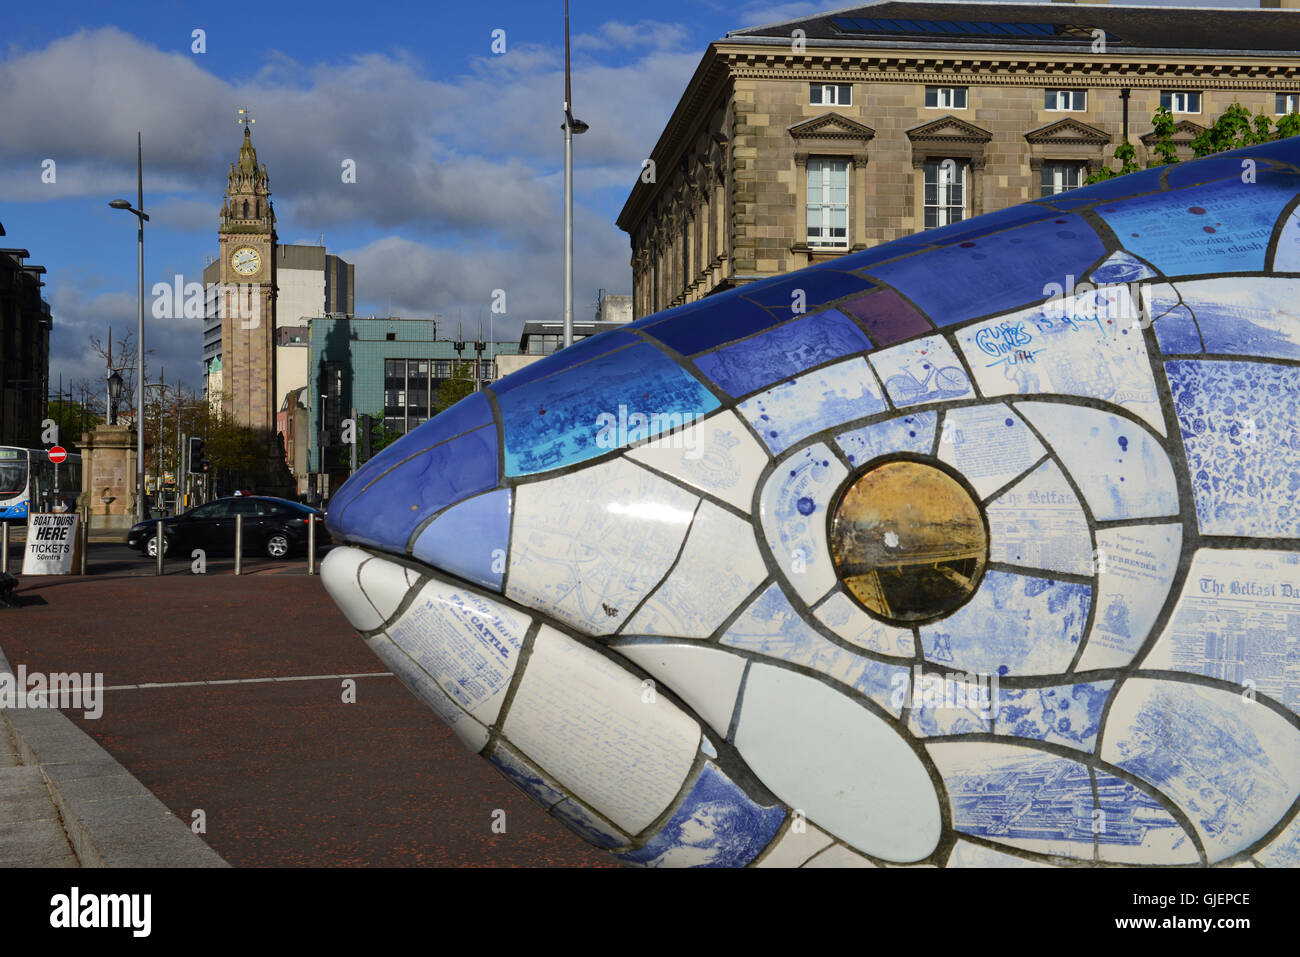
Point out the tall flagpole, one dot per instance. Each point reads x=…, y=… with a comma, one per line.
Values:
x=568, y=188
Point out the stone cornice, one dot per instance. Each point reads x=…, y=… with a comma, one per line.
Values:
x=949, y=129
x=832, y=126
x=1068, y=131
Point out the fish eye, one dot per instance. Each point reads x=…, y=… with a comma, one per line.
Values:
x=909, y=540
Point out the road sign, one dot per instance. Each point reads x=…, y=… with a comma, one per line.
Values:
x=58, y=454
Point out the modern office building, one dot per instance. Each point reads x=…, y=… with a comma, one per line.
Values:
x=799, y=141
x=25, y=324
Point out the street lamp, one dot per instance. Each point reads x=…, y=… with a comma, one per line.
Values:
x=570, y=127
x=141, y=218
x=114, y=397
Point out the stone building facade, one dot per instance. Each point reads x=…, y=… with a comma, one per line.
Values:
x=800, y=141
x=25, y=325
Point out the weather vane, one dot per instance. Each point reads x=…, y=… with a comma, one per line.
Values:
x=245, y=117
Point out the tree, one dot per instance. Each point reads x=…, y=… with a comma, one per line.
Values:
x=461, y=384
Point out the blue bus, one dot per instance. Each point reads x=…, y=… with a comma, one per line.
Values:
x=30, y=482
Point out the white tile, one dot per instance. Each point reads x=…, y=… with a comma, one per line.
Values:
x=466, y=642
x=1135, y=567
x=707, y=679
x=921, y=371
x=471, y=733
x=1095, y=353
x=1283, y=850
x=588, y=546
x=1232, y=765
x=816, y=400
x=988, y=444
x=588, y=723
x=385, y=585
x=793, y=847
x=839, y=856
x=339, y=574
x=1037, y=523
x=842, y=615
x=842, y=766
x=719, y=567
x=718, y=456
x=792, y=509
x=966, y=854
x=1122, y=471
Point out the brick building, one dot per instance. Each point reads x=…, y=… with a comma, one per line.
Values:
x=800, y=141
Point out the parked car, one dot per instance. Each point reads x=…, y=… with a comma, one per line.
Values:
x=274, y=527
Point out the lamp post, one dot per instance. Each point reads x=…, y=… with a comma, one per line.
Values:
x=141, y=218
x=571, y=126
x=114, y=397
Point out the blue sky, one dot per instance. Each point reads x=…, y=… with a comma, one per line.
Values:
x=458, y=150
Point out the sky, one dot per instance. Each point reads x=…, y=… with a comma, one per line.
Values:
x=458, y=149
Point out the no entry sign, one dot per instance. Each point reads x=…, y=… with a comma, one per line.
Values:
x=58, y=455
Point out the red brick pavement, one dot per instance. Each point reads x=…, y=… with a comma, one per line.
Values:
x=285, y=772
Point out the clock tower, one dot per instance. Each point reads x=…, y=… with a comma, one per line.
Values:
x=247, y=294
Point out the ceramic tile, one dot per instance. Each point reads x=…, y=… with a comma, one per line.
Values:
x=842, y=615
x=1037, y=523
x=719, y=567
x=1216, y=227
x=770, y=627
x=1121, y=266
x=1231, y=765
x=620, y=397
x=1135, y=567
x=471, y=733
x=589, y=825
x=966, y=854
x=1245, y=316
x=1287, y=251
x=525, y=776
x=1122, y=471
x=766, y=358
x=340, y=574
x=994, y=273
x=838, y=856
x=936, y=709
x=810, y=746
x=469, y=644
x=470, y=539
x=817, y=400
x=587, y=722
x=1068, y=714
x=792, y=510
x=904, y=433
x=384, y=584
x=795, y=845
x=583, y=350
x=1237, y=428
x=1018, y=796
x=1237, y=620
x=886, y=317
x=729, y=317
x=721, y=458
x=1082, y=345
x=1283, y=850
x=922, y=371
x=706, y=679
x=815, y=286
x=717, y=825
x=988, y=444
x=1014, y=624
x=588, y=546
x=1134, y=828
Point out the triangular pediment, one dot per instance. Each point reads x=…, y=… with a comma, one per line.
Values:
x=1068, y=131
x=1184, y=132
x=832, y=126
x=949, y=128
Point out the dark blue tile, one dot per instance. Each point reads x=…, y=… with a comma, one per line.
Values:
x=996, y=273
x=580, y=351
x=818, y=286
x=561, y=420
x=388, y=511
x=710, y=322
x=1132, y=184
x=1176, y=332
x=472, y=412
x=781, y=352
x=469, y=539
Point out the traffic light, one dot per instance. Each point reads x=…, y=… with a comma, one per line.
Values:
x=196, y=454
x=204, y=465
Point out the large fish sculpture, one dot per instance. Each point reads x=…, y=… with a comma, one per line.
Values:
x=980, y=547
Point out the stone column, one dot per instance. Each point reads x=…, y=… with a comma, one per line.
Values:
x=108, y=469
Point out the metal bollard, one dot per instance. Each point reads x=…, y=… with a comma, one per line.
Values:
x=239, y=544
x=4, y=548
x=85, y=535
x=160, y=539
x=311, y=544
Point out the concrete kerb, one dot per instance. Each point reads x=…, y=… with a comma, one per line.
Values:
x=111, y=819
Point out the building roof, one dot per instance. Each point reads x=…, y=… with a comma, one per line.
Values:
x=1041, y=26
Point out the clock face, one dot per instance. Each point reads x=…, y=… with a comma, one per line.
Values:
x=246, y=260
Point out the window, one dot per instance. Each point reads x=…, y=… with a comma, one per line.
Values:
x=945, y=97
x=1058, y=177
x=1067, y=100
x=945, y=193
x=1287, y=103
x=831, y=94
x=1180, y=101
x=828, y=203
